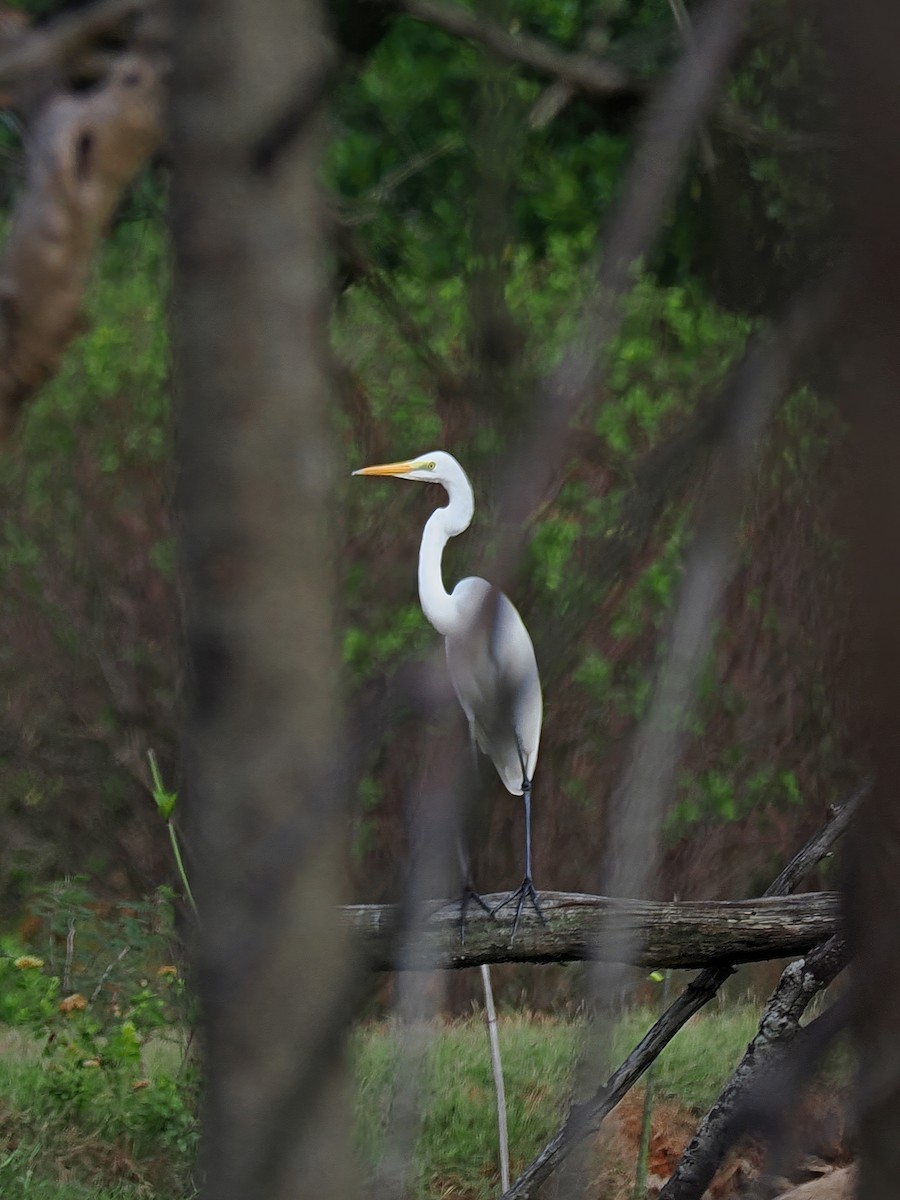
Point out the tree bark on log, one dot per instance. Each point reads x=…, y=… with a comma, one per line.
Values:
x=688, y=934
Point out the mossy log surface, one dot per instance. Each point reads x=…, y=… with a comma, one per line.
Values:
x=646, y=933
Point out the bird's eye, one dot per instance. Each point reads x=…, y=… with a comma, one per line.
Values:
x=429, y=466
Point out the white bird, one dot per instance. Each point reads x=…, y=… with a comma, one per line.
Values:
x=490, y=656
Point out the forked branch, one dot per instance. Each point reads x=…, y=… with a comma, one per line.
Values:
x=587, y=1117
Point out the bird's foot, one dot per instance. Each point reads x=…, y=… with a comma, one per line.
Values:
x=524, y=892
x=468, y=895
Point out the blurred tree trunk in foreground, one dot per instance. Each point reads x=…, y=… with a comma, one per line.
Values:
x=255, y=484
x=862, y=43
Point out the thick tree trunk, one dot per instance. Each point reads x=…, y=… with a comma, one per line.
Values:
x=256, y=476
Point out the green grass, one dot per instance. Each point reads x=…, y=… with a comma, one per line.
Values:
x=99, y=1144
x=51, y=1150
x=457, y=1148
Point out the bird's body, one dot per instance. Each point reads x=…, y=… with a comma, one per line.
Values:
x=490, y=656
x=495, y=677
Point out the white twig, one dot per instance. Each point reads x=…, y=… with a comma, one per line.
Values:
x=70, y=953
x=106, y=974
x=497, y=1067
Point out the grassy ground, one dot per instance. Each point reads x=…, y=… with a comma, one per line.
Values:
x=57, y=1144
x=457, y=1148
x=52, y=1149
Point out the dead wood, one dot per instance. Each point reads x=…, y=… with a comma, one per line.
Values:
x=83, y=151
x=780, y=1023
x=687, y=934
x=584, y=1119
x=31, y=55
x=839, y=1185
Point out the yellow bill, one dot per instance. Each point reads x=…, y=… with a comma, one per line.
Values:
x=397, y=468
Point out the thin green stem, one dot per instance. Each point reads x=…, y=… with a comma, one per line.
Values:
x=158, y=788
x=173, y=838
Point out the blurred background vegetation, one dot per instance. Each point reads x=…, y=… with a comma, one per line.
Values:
x=467, y=195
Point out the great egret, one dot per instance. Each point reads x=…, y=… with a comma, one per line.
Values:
x=489, y=652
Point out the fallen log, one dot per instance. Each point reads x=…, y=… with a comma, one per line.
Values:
x=693, y=933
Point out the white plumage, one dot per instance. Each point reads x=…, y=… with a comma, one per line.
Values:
x=490, y=656
x=495, y=678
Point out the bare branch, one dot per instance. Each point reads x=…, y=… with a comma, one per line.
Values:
x=84, y=149
x=416, y=338
x=582, y=71
x=588, y=1117
x=50, y=46
x=798, y=986
x=820, y=844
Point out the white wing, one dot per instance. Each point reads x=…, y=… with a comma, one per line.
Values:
x=495, y=677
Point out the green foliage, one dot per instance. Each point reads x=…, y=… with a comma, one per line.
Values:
x=425, y=127
x=100, y=1003
x=730, y=791
x=51, y=1107
x=28, y=996
x=405, y=125
x=164, y=799
x=675, y=346
x=367, y=651
x=85, y=553
x=550, y=549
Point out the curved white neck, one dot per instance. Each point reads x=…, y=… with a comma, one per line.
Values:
x=443, y=524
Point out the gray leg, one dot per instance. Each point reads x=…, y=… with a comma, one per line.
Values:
x=465, y=864
x=526, y=889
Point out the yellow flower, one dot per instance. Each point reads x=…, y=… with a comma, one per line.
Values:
x=74, y=1003
x=28, y=962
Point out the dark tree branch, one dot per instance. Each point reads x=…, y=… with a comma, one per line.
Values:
x=360, y=267
x=49, y=48
x=733, y=120
x=581, y=71
x=819, y=846
x=799, y=984
x=587, y=1118
x=586, y=73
